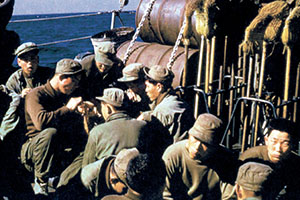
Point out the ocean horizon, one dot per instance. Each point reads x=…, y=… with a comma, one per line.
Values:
x=54, y=30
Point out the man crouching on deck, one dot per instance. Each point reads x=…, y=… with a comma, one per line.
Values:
x=50, y=116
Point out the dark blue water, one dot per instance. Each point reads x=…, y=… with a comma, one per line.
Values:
x=62, y=29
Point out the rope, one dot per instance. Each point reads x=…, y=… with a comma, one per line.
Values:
x=147, y=13
x=175, y=48
x=55, y=18
x=62, y=41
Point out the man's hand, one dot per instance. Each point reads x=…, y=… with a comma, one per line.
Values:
x=25, y=92
x=73, y=103
x=133, y=96
x=88, y=108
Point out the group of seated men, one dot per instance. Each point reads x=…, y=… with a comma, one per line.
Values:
x=95, y=129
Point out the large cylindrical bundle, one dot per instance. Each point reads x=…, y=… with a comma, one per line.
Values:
x=166, y=19
x=156, y=54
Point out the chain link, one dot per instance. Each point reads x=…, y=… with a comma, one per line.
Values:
x=175, y=48
x=137, y=32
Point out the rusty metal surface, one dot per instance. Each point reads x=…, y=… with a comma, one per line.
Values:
x=165, y=21
x=153, y=53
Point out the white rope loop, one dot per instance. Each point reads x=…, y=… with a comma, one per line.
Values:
x=137, y=32
x=175, y=48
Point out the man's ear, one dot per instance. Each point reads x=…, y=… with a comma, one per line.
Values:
x=18, y=61
x=238, y=191
x=109, y=109
x=160, y=87
x=266, y=140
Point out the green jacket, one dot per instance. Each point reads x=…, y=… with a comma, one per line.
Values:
x=287, y=171
x=95, y=82
x=173, y=113
x=118, y=132
x=188, y=178
x=15, y=84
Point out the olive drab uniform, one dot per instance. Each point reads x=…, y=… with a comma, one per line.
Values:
x=288, y=170
x=173, y=113
x=188, y=178
x=94, y=81
x=118, y=132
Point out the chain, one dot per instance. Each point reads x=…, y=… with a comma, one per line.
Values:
x=175, y=48
x=137, y=32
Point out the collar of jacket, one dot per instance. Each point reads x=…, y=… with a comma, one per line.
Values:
x=132, y=195
x=117, y=115
x=160, y=98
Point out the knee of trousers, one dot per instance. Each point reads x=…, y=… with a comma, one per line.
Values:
x=49, y=132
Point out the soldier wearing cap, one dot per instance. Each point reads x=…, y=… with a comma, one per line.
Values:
x=134, y=79
x=50, y=116
x=102, y=69
x=281, y=137
x=18, y=85
x=254, y=182
x=21, y=82
x=108, y=175
x=166, y=106
x=118, y=132
x=145, y=179
x=196, y=166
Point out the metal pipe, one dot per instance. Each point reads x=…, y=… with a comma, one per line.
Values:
x=198, y=83
x=113, y=17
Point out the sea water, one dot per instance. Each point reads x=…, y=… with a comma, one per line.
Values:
x=46, y=31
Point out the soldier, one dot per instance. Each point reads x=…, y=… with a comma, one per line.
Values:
x=102, y=69
x=196, y=166
x=18, y=85
x=166, y=106
x=280, y=138
x=50, y=116
x=118, y=132
x=21, y=82
x=254, y=181
x=145, y=178
x=108, y=175
x=134, y=79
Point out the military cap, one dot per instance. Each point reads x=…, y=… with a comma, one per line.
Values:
x=122, y=160
x=105, y=52
x=68, y=67
x=90, y=173
x=113, y=96
x=159, y=73
x=207, y=129
x=251, y=176
x=26, y=47
x=131, y=72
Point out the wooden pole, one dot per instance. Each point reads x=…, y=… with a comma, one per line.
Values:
x=198, y=83
x=296, y=93
x=260, y=87
x=287, y=81
x=211, y=68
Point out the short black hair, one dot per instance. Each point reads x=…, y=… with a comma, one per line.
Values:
x=283, y=125
x=166, y=83
x=146, y=174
